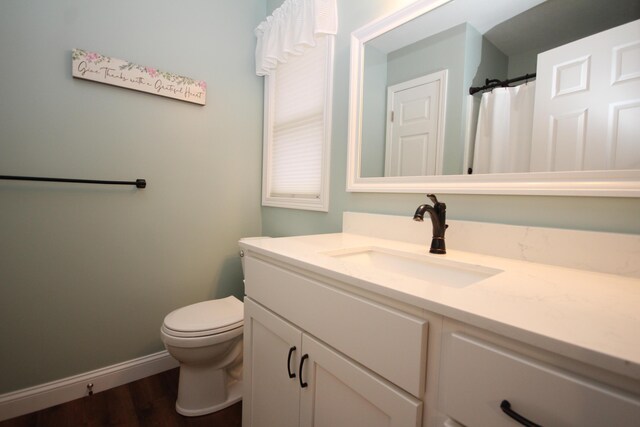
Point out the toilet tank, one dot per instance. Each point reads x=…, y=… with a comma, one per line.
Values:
x=245, y=239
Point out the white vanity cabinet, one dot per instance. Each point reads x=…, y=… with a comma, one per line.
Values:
x=558, y=342
x=316, y=355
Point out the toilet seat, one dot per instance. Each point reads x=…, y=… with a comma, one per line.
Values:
x=205, y=318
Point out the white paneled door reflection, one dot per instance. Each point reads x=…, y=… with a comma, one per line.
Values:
x=414, y=143
x=587, y=110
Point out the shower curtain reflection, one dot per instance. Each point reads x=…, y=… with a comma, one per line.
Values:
x=503, y=136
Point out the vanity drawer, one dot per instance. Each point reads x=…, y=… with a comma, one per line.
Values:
x=478, y=376
x=387, y=341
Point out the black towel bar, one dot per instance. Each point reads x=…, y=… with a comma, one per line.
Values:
x=139, y=183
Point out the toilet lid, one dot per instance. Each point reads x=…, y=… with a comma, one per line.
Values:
x=206, y=318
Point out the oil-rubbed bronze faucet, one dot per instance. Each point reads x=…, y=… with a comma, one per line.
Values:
x=438, y=214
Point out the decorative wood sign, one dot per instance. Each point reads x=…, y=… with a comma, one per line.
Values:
x=103, y=69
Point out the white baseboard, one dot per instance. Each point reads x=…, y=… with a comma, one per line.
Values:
x=42, y=396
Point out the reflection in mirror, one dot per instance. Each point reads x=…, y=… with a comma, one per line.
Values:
x=418, y=119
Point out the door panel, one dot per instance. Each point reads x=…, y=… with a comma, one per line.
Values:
x=588, y=103
x=625, y=131
x=342, y=394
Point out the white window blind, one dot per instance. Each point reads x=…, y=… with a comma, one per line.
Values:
x=298, y=129
x=298, y=124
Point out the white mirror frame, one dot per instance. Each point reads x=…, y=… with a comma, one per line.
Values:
x=622, y=183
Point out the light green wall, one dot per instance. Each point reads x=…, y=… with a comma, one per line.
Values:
x=606, y=214
x=87, y=273
x=374, y=112
x=484, y=60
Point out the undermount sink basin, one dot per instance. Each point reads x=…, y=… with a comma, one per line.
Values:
x=424, y=267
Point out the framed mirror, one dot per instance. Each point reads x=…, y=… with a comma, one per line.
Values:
x=414, y=126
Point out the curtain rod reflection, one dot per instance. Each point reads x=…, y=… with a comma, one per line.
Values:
x=494, y=83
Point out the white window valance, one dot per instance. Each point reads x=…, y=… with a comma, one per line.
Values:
x=291, y=28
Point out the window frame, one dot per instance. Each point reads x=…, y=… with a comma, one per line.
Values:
x=316, y=204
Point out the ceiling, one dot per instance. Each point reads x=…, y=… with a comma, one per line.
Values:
x=557, y=22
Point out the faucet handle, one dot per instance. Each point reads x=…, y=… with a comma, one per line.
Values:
x=433, y=198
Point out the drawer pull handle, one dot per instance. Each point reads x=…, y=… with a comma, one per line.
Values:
x=302, y=384
x=506, y=408
x=291, y=374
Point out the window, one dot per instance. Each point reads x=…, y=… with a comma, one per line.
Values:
x=298, y=130
x=295, y=52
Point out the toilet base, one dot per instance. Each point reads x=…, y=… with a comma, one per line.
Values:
x=207, y=388
x=234, y=395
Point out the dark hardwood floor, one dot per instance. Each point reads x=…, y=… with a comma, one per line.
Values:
x=146, y=402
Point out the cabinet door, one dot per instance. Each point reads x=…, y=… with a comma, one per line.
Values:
x=340, y=393
x=271, y=398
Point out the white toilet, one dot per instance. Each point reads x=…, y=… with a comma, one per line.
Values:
x=206, y=338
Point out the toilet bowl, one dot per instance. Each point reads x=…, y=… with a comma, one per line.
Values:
x=206, y=338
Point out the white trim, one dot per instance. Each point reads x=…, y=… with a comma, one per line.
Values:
x=16, y=403
x=387, y=23
x=624, y=183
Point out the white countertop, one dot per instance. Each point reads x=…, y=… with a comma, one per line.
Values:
x=588, y=316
